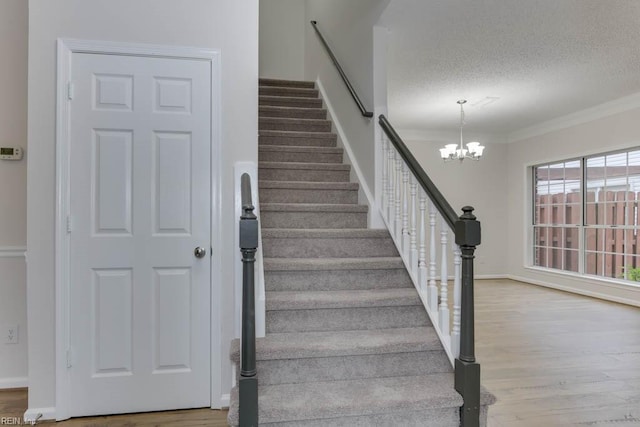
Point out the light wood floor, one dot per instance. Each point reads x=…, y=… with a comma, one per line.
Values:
x=557, y=359
x=551, y=358
x=13, y=403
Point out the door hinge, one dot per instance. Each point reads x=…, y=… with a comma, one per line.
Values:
x=70, y=90
x=69, y=358
x=69, y=224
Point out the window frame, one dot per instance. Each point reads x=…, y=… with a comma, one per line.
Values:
x=582, y=227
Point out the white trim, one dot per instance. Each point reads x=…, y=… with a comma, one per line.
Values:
x=374, y=215
x=33, y=415
x=610, y=108
x=65, y=49
x=216, y=355
x=590, y=293
x=225, y=400
x=490, y=276
x=13, y=251
x=16, y=382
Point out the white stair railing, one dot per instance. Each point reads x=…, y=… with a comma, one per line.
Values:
x=425, y=242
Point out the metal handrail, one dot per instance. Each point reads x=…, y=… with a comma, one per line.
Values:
x=345, y=79
x=248, y=382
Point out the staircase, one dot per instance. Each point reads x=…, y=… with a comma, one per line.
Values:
x=348, y=340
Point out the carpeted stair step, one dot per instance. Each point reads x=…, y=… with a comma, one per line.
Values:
x=298, y=125
x=410, y=401
x=292, y=112
x=340, y=355
x=290, y=101
x=292, y=171
x=308, y=192
x=302, y=274
x=283, y=153
x=311, y=215
x=297, y=92
x=308, y=311
x=306, y=139
x=327, y=243
x=286, y=83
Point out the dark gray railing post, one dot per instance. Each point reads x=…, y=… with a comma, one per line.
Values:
x=467, y=375
x=248, y=382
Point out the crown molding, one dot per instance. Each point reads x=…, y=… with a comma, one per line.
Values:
x=606, y=109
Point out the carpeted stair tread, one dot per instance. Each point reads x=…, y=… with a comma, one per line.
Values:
x=288, y=120
x=294, y=264
x=312, y=207
x=288, y=83
x=289, y=101
x=334, y=399
x=301, y=300
x=298, y=345
x=326, y=233
x=297, y=134
x=301, y=149
x=309, y=185
x=304, y=165
x=291, y=112
x=297, y=92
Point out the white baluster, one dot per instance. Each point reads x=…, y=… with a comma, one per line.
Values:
x=457, y=292
x=405, y=209
x=444, y=277
x=385, y=177
x=422, y=254
x=413, y=249
x=391, y=206
x=398, y=198
x=433, y=288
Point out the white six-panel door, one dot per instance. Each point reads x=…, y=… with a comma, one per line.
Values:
x=140, y=203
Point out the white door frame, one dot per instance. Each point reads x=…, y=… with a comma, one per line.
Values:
x=65, y=51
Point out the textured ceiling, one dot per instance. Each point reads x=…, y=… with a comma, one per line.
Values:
x=541, y=59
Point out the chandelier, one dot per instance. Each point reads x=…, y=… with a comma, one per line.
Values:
x=457, y=152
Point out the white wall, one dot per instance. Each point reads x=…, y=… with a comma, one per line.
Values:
x=482, y=185
x=13, y=181
x=616, y=131
x=282, y=25
x=348, y=28
x=231, y=26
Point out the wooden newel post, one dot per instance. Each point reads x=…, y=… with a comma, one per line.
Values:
x=467, y=371
x=248, y=381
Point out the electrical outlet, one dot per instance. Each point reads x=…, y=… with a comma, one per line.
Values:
x=11, y=334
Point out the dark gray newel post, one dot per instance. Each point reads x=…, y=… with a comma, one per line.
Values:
x=248, y=382
x=467, y=371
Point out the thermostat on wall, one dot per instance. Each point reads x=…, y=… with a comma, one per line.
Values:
x=10, y=153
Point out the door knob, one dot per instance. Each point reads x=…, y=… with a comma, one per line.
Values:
x=199, y=252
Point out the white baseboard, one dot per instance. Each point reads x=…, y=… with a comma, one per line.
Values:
x=491, y=276
x=225, y=400
x=16, y=382
x=32, y=415
x=570, y=289
x=373, y=211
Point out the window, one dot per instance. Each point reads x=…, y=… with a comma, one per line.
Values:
x=586, y=217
